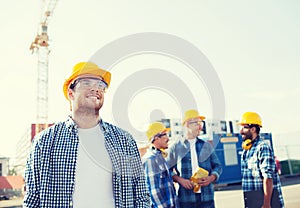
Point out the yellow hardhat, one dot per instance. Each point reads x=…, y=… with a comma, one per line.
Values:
x=250, y=118
x=83, y=68
x=156, y=128
x=189, y=114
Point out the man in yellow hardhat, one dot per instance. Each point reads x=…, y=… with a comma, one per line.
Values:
x=187, y=156
x=260, y=179
x=84, y=161
x=158, y=177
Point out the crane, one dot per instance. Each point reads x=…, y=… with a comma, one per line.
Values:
x=40, y=45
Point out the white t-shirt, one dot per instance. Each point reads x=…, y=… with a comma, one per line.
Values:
x=93, y=179
x=194, y=158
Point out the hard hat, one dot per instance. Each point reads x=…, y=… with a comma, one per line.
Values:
x=85, y=68
x=156, y=128
x=250, y=118
x=189, y=114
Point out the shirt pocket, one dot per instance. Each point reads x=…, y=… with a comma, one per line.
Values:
x=253, y=167
x=164, y=178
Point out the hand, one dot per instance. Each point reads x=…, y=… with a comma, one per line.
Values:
x=187, y=184
x=206, y=180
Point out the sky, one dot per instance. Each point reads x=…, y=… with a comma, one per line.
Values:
x=252, y=46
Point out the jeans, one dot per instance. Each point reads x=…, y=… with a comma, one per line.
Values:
x=198, y=203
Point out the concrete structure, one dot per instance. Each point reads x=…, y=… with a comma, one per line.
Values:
x=4, y=165
x=22, y=151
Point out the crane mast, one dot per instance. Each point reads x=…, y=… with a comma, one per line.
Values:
x=40, y=45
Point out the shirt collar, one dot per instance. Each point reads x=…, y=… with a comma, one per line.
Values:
x=155, y=150
x=71, y=125
x=256, y=140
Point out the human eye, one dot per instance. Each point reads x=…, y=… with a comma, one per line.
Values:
x=102, y=85
x=85, y=82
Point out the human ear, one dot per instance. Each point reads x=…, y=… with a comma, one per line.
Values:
x=70, y=94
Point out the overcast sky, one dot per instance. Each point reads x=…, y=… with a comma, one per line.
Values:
x=253, y=46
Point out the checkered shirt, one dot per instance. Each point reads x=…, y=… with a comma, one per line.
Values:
x=259, y=163
x=159, y=180
x=50, y=168
x=179, y=158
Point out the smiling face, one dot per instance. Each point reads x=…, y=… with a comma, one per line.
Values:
x=87, y=93
x=193, y=127
x=161, y=141
x=246, y=132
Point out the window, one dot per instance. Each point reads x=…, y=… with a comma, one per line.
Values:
x=230, y=154
x=223, y=126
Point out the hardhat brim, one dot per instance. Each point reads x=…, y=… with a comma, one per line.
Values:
x=201, y=117
x=85, y=69
x=242, y=124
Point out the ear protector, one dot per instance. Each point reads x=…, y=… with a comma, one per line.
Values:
x=247, y=144
x=163, y=152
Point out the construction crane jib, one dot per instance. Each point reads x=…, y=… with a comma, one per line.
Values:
x=40, y=45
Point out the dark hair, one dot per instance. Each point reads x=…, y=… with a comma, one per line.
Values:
x=257, y=127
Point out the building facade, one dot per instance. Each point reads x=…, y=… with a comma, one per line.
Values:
x=4, y=166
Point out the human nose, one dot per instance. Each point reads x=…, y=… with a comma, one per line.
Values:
x=97, y=87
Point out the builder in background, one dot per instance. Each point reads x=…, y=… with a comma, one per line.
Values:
x=186, y=156
x=158, y=177
x=260, y=179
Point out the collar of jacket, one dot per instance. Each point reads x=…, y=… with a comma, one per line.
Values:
x=159, y=151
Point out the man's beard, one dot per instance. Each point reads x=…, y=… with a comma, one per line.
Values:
x=247, y=136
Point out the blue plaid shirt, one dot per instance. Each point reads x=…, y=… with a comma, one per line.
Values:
x=51, y=165
x=179, y=157
x=159, y=180
x=259, y=163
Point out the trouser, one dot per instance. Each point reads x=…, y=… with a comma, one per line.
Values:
x=253, y=199
x=198, y=203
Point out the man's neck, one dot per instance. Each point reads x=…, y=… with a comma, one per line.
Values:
x=86, y=120
x=255, y=136
x=190, y=137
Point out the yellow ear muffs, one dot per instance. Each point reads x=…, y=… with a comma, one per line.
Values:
x=163, y=152
x=247, y=144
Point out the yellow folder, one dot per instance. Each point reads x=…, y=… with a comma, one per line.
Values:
x=200, y=173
